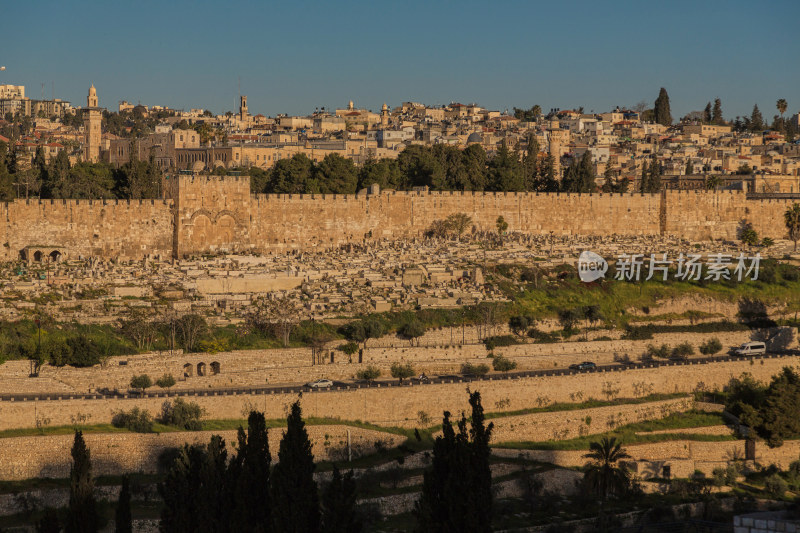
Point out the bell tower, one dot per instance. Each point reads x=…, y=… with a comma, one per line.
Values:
x=91, y=127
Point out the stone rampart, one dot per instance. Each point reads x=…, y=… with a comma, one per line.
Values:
x=208, y=214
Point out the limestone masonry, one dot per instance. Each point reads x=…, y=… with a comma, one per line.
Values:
x=212, y=214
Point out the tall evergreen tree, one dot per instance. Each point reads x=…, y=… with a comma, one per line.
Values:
x=180, y=491
x=457, y=491
x=474, y=158
x=336, y=175
x=251, y=467
x=39, y=164
x=756, y=119
x=661, y=108
x=505, y=173
x=293, y=491
x=530, y=164
x=57, y=177
x=586, y=173
x=654, y=181
x=546, y=177
x=716, y=114
x=82, y=516
x=339, y=513
x=123, y=522
x=707, y=114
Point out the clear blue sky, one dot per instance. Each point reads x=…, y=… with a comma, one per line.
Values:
x=293, y=56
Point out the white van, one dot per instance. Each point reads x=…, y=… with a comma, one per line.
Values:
x=752, y=348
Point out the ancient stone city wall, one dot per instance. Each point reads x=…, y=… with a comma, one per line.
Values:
x=211, y=214
x=106, y=228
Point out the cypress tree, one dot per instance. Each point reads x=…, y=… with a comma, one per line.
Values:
x=293, y=491
x=654, y=183
x=756, y=120
x=707, y=114
x=661, y=108
x=716, y=115
x=122, y=517
x=530, y=168
x=250, y=476
x=82, y=512
x=339, y=505
x=586, y=173
x=180, y=491
x=505, y=173
x=457, y=488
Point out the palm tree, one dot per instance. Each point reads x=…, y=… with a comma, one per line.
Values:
x=792, y=219
x=781, y=105
x=603, y=474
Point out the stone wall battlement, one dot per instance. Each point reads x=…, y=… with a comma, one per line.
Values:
x=209, y=214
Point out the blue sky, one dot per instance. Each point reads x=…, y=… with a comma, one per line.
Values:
x=294, y=56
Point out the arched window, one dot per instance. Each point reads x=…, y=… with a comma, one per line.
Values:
x=215, y=368
x=37, y=256
x=188, y=370
x=201, y=369
x=55, y=255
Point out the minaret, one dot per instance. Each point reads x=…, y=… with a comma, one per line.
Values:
x=558, y=140
x=91, y=128
x=243, y=114
x=385, y=116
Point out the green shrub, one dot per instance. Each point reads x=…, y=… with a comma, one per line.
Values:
x=468, y=369
x=400, y=371
x=682, y=351
x=499, y=340
x=662, y=351
x=711, y=346
x=166, y=381
x=182, y=414
x=775, y=486
x=543, y=337
x=369, y=374
x=503, y=364
x=136, y=419
x=141, y=382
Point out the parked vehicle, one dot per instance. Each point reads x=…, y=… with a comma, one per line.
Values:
x=751, y=348
x=320, y=384
x=586, y=365
x=422, y=378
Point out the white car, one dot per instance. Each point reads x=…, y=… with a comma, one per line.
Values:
x=320, y=384
x=752, y=348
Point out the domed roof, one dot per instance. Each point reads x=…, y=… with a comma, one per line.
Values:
x=475, y=137
x=92, y=91
x=198, y=166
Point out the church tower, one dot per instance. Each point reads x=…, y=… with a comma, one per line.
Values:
x=384, y=116
x=91, y=128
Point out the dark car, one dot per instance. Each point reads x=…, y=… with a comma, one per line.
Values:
x=586, y=365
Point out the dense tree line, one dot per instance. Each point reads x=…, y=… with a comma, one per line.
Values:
x=438, y=167
x=60, y=179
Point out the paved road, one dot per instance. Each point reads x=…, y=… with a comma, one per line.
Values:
x=342, y=385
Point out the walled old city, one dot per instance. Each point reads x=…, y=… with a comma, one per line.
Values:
x=167, y=275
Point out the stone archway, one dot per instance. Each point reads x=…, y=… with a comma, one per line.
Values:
x=215, y=368
x=188, y=370
x=37, y=256
x=55, y=256
x=201, y=369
